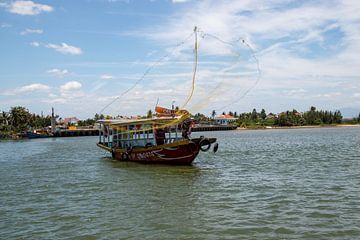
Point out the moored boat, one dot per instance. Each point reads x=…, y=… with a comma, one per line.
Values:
x=36, y=134
x=164, y=139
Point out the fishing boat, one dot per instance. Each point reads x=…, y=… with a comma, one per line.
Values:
x=165, y=138
x=44, y=132
x=32, y=135
x=37, y=134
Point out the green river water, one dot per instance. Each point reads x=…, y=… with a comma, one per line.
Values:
x=271, y=184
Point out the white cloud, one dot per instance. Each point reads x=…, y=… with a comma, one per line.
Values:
x=27, y=8
x=308, y=53
x=304, y=49
x=58, y=72
x=328, y=95
x=35, y=44
x=29, y=31
x=114, y=1
x=5, y=25
x=65, y=48
x=70, y=86
x=106, y=76
x=356, y=95
x=180, y=1
x=35, y=87
x=61, y=48
x=295, y=92
x=69, y=92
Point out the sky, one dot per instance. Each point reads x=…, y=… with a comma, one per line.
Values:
x=80, y=56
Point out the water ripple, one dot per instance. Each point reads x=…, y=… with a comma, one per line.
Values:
x=276, y=184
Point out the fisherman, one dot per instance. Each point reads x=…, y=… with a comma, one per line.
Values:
x=159, y=134
x=186, y=128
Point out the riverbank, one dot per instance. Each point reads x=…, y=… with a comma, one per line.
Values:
x=297, y=127
x=9, y=135
x=95, y=132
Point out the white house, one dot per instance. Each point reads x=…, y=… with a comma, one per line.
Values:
x=225, y=119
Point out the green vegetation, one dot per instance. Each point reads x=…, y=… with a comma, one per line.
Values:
x=288, y=118
x=19, y=119
x=91, y=121
x=149, y=114
x=87, y=122
x=357, y=119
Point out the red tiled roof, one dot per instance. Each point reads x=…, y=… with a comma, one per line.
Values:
x=70, y=119
x=225, y=117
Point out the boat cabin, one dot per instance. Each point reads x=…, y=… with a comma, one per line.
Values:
x=142, y=133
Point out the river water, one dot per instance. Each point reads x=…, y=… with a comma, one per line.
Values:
x=271, y=184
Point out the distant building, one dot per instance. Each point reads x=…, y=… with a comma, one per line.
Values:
x=71, y=121
x=225, y=119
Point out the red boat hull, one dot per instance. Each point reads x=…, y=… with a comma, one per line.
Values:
x=182, y=153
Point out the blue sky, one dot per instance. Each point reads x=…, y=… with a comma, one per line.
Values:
x=78, y=56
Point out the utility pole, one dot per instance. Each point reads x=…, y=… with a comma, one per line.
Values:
x=53, y=123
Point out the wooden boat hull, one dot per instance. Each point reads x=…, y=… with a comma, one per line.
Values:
x=180, y=153
x=32, y=135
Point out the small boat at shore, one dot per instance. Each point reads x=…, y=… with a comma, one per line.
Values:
x=37, y=134
x=42, y=133
x=163, y=139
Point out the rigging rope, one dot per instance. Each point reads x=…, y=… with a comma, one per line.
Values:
x=253, y=56
x=194, y=71
x=147, y=72
x=252, y=86
x=218, y=86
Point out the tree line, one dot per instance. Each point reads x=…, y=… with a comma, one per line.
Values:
x=288, y=118
x=20, y=119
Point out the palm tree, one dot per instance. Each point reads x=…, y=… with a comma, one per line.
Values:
x=4, y=121
x=4, y=118
x=213, y=114
x=149, y=114
x=20, y=118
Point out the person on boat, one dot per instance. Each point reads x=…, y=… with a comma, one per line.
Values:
x=186, y=128
x=159, y=134
x=105, y=131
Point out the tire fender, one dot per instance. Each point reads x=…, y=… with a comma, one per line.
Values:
x=205, y=145
x=216, y=146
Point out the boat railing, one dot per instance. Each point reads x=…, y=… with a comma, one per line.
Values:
x=146, y=142
x=113, y=138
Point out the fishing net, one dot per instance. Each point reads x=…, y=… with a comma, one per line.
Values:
x=202, y=73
